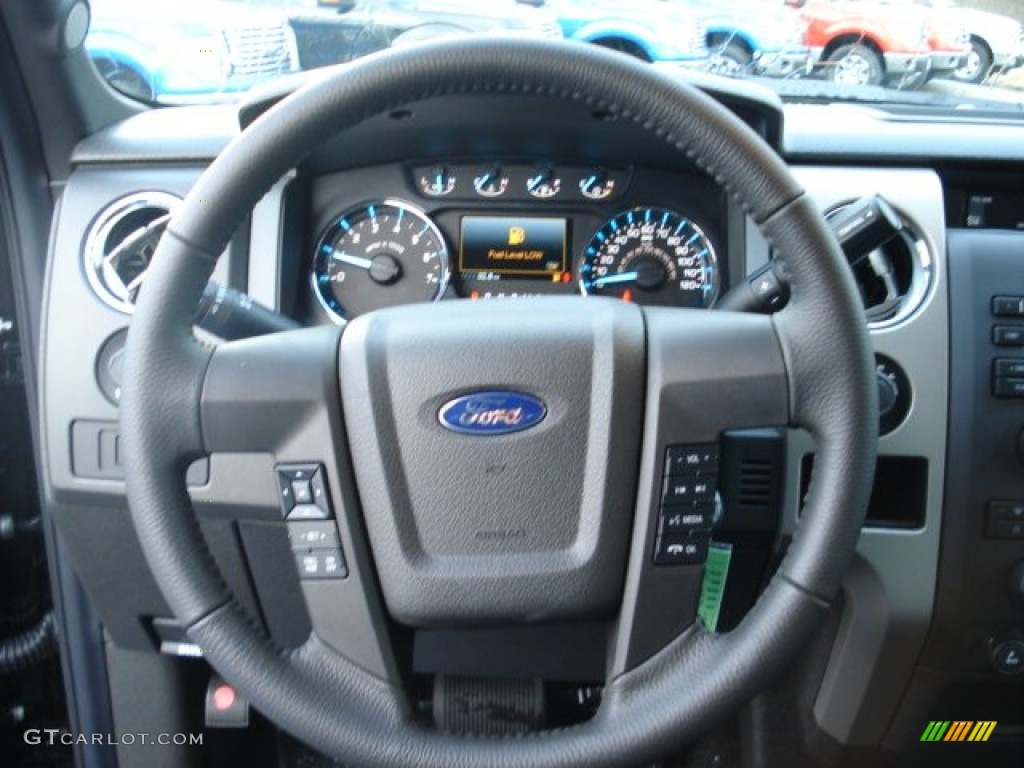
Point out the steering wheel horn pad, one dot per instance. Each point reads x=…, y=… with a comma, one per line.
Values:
x=531, y=525
x=321, y=394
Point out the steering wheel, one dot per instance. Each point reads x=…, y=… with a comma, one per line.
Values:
x=618, y=385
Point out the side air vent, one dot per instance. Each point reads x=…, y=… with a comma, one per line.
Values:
x=120, y=245
x=895, y=279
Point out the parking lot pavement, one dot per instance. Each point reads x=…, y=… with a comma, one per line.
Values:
x=1012, y=79
x=1008, y=88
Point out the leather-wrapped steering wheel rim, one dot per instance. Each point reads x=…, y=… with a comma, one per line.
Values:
x=317, y=694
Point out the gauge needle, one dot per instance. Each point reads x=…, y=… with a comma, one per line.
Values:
x=623, y=277
x=355, y=261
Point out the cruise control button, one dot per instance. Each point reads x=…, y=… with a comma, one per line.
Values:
x=307, y=512
x=309, y=535
x=334, y=565
x=315, y=564
x=285, y=495
x=687, y=459
x=301, y=492
x=309, y=564
x=681, y=549
x=318, y=488
x=297, y=472
x=291, y=478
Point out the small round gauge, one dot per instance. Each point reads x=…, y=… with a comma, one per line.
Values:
x=437, y=181
x=377, y=255
x=652, y=256
x=597, y=186
x=491, y=182
x=543, y=183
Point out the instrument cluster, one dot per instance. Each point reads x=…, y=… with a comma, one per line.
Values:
x=489, y=230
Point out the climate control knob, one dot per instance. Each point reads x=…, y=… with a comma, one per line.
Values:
x=888, y=394
x=893, y=394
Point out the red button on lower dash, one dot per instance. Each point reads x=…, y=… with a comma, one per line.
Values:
x=223, y=697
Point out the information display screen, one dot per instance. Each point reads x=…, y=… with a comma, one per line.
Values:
x=514, y=247
x=996, y=211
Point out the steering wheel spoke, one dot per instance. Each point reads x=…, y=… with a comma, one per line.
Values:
x=262, y=394
x=708, y=372
x=279, y=394
x=713, y=371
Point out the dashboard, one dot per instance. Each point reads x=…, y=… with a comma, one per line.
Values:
x=497, y=228
x=461, y=200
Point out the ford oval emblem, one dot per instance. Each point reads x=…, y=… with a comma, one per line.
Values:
x=492, y=412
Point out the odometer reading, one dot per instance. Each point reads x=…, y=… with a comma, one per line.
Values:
x=652, y=256
x=378, y=255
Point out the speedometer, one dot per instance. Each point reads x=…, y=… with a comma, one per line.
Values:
x=377, y=255
x=652, y=256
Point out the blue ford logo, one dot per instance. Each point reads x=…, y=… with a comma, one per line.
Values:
x=494, y=412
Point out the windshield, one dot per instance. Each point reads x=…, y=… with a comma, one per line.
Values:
x=959, y=54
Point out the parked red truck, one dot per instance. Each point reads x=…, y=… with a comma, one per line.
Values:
x=869, y=43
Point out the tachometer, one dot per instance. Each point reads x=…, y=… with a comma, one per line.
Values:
x=652, y=256
x=377, y=255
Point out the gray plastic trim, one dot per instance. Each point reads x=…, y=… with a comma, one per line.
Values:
x=78, y=322
x=174, y=135
x=265, y=245
x=876, y=650
x=867, y=134
x=75, y=26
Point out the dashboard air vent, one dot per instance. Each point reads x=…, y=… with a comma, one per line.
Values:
x=895, y=279
x=120, y=244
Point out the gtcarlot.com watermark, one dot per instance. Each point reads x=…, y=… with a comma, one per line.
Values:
x=53, y=736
